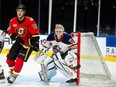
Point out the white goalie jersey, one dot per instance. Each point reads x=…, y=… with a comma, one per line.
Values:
x=63, y=46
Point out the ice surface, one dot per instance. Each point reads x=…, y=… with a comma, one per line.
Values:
x=29, y=75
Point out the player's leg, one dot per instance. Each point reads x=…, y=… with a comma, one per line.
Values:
x=11, y=57
x=17, y=68
x=23, y=55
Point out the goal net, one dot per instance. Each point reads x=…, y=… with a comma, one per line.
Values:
x=94, y=70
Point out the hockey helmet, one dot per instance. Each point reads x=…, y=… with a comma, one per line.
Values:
x=59, y=29
x=21, y=6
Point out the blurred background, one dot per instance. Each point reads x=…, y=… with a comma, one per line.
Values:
x=91, y=15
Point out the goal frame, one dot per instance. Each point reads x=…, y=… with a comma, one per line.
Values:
x=79, y=35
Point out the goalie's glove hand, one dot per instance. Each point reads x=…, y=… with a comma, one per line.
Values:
x=35, y=46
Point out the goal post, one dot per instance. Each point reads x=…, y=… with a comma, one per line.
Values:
x=94, y=70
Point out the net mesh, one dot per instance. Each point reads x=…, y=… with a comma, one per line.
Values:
x=94, y=70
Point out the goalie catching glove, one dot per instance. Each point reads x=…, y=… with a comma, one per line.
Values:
x=35, y=46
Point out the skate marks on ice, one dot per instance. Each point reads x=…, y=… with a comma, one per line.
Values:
x=33, y=81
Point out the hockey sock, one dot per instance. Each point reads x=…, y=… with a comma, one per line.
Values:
x=18, y=65
x=11, y=64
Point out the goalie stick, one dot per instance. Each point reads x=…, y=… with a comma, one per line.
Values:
x=44, y=73
x=42, y=66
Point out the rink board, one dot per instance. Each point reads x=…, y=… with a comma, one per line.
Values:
x=107, y=46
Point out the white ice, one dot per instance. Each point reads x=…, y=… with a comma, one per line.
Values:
x=29, y=75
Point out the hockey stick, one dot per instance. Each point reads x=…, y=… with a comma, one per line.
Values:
x=44, y=73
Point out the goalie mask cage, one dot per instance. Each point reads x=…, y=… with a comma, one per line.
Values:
x=93, y=70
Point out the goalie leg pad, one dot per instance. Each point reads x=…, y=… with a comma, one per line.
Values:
x=65, y=70
x=71, y=59
x=50, y=69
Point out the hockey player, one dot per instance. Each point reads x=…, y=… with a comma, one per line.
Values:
x=64, y=55
x=2, y=37
x=25, y=32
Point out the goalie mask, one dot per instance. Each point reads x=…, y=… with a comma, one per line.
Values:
x=59, y=30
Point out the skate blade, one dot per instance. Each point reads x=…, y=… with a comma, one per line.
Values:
x=2, y=81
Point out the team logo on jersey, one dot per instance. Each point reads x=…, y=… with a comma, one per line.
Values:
x=21, y=31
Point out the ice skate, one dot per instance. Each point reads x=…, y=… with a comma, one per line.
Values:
x=71, y=80
x=11, y=79
x=2, y=77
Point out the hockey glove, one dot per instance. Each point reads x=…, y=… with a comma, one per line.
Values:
x=35, y=43
x=13, y=36
x=35, y=46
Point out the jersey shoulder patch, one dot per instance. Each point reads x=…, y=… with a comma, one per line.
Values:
x=30, y=18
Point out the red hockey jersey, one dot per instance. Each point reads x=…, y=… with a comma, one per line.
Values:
x=25, y=29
